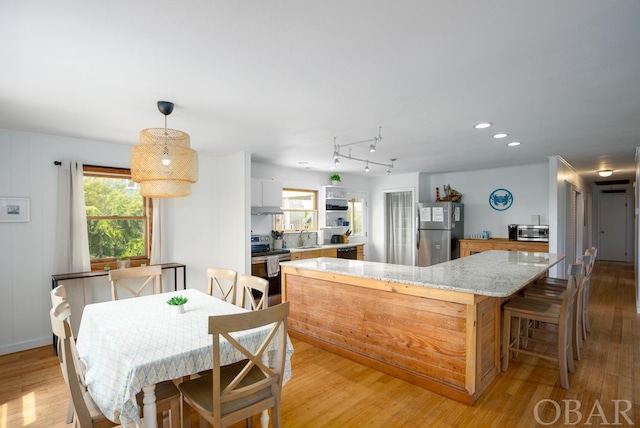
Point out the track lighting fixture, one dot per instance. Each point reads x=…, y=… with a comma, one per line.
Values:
x=372, y=148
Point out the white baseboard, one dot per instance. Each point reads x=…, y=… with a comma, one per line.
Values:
x=23, y=346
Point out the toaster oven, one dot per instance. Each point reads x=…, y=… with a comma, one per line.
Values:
x=537, y=233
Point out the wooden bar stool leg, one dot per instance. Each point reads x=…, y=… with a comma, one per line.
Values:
x=506, y=338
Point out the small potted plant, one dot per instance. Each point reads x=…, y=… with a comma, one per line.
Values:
x=107, y=266
x=177, y=304
x=335, y=179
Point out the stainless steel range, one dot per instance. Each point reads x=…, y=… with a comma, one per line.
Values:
x=263, y=263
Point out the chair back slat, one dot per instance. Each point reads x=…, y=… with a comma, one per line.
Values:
x=222, y=281
x=254, y=290
x=129, y=279
x=58, y=295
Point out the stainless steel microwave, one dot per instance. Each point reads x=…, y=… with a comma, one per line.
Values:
x=527, y=232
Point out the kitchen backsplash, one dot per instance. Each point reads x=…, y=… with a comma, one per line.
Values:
x=300, y=239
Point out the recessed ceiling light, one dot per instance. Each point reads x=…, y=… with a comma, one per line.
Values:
x=513, y=143
x=500, y=135
x=482, y=125
x=605, y=172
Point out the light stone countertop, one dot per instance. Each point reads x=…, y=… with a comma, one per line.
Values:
x=490, y=273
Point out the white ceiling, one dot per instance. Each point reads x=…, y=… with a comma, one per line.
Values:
x=282, y=79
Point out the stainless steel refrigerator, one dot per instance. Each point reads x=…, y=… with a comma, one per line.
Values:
x=440, y=226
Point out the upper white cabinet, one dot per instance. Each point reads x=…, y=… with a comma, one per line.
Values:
x=266, y=193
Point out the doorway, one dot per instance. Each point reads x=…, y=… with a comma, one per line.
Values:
x=574, y=219
x=613, y=236
x=399, y=219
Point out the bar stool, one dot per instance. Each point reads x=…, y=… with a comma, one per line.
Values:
x=586, y=325
x=557, y=283
x=560, y=315
x=555, y=293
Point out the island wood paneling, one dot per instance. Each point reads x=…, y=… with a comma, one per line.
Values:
x=445, y=346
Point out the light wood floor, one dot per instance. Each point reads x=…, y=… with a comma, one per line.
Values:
x=330, y=391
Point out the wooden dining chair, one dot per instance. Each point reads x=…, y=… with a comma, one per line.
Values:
x=593, y=252
x=87, y=413
x=223, y=281
x=531, y=312
x=554, y=292
x=254, y=290
x=240, y=390
x=60, y=310
x=135, y=280
x=58, y=295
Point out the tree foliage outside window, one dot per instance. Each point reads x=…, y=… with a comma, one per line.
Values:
x=116, y=217
x=299, y=209
x=355, y=215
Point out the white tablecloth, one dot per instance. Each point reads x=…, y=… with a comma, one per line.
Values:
x=130, y=343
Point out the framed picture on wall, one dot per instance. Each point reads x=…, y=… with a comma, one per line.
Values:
x=14, y=209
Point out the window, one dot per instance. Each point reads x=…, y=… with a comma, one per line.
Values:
x=300, y=210
x=355, y=214
x=118, y=217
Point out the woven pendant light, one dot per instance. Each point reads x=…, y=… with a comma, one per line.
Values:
x=163, y=163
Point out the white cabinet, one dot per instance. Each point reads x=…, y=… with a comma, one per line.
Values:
x=334, y=205
x=266, y=193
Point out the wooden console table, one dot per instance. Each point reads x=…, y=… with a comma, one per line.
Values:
x=473, y=246
x=55, y=279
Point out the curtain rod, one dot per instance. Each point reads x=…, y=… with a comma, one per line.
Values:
x=58, y=163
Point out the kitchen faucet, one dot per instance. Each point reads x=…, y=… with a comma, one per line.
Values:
x=304, y=237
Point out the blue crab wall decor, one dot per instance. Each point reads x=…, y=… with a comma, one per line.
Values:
x=501, y=199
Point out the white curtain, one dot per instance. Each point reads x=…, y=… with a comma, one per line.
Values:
x=156, y=256
x=72, y=239
x=399, y=218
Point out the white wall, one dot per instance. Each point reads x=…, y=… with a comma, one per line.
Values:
x=26, y=249
x=210, y=228
x=527, y=183
x=560, y=173
x=207, y=228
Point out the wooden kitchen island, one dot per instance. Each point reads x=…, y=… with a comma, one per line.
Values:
x=437, y=327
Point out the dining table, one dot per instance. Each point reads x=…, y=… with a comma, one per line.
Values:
x=131, y=344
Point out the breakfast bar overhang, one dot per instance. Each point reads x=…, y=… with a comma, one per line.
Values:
x=437, y=327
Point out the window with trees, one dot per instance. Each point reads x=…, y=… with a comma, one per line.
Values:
x=355, y=214
x=118, y=217
x=300, y=210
